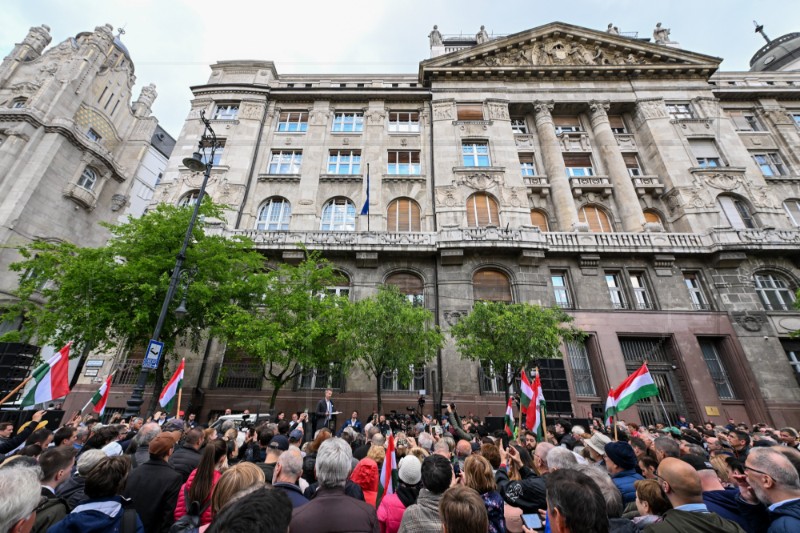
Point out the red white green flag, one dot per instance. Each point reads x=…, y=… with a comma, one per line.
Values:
x=611, y=407
x=172, y=387
x=526, y=393
x=50, y=380
x=100, y=397
x=509, y=428
x=639, y=385
x=388, y=479
x=534, y=421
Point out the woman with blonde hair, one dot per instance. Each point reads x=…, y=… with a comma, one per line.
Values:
x=377, y=454
x=235, y=482
x=478, y=475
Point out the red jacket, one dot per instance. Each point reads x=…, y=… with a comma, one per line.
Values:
x=365, y=475
x=180, y=508
x=390, y=513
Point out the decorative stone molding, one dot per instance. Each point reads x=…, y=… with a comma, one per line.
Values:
x=708, y=106
x=498, y=110
x=452, y=257
x=663, y=264
x=648, y=185
x=447, y=196
x=524, y=141
x=574, y=141
x=443, y=111
x=118, y=201
x=531, y=257
x=776, y=114
x=515, y=196
x=598, y=112
x=560, y=50
x=589, y=264
x=452, y=317
x=648, y=109
x=83, y=197
x=626, y=142
x=376, y=117
x=367, y=259
x=751, y=321
x=543, y=113
x=599, y=184
x=537, y=184
x=251, y=111
x=480, y=181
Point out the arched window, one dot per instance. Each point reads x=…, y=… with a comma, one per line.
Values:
x=403, y=215
x=596, y=218
x=792, y=207
x=88, y=179
x=774, y=291
x=189, y=199
x=274, y=214
x=482, y=211
x=339, y=214
x=652, y=217
x=342, y=287
x=737, y=212
x=539, y=219
x=409, y=284
x=491, y=286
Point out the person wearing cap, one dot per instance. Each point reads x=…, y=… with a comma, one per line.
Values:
x=154, y=485
x=621, y=466
x=717, y=498
x=277, y=445
x=392, y=507
x=597, y=444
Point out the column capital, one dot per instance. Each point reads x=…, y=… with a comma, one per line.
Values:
x=598, y=112
x=543, y=111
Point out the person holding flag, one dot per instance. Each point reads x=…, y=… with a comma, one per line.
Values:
x=388, y=479
x=535, y=420
x=509, y=419
x=172, y=389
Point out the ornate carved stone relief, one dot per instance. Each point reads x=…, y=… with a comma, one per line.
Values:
x=443, y=111
x=750, y=321
x=447, y=196
x=452, y=317
x=498, y=110
x=376, y=117
x=480, y=181
x=649, y=109
x=515, y=196
x=251, y=111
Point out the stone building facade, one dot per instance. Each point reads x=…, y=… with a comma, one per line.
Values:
x=75, y=148
x=631, y=183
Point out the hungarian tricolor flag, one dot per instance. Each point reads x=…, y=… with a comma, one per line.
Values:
x=611, y=407
x=526, y=393
x=534, y=420
x=388, y=478
x=50, y=380
x=171, y=389
x=509, y=429
x=100, y=397
x=639, y=385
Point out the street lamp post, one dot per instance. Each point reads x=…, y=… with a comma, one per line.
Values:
x=196, y=164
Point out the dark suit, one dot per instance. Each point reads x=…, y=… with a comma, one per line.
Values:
x=322, y=414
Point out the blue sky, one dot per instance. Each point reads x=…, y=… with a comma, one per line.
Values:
x=172, y=42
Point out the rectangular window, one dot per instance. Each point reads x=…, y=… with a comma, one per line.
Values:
x=475, y=153
x=469, y=111
x=567, y=124
x=770, y=164
x=492, y=379
x=293, y=121
x=323, y=377
x=632, y=163
x=518, y=126
x=348, y=122
x=680, y=111
x=796, y=118
x=705, y=152
x=641, y=295
x=617, y=124
x=404, y=122
x=285, y=162
x=578, y=165
x=719, y=375
x=737, y=212
x=695, y=288
x=792, y=349
x=615, y=291
x=390, y=381
x=93, y=135
x=344, y=162
x=555, y=387
x=206, y=152
x=792, y=208
x=527, y=164
x=745, y=121
x=582, y=377
x=226, y=112
x=561, y=289
x=405, y=163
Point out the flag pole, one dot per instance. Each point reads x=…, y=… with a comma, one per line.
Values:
x=665, y=410
x=368, y=198
x=180, y=394
x=616, y=437
x=16, y=389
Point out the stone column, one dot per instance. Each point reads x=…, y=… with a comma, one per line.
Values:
x=630, y=212
x=561, y=192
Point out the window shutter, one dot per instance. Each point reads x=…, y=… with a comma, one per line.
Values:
x=470, y=111
x=596, y=218
x=703, y=148
x=731, y=213
x=616, y=122
x=539, y=220
x=492, y=286
x=631, y=161
x=562, y=121
x=404, y=215
x=650, y=216
x=577, y=160
x=406, y=283
x=482, y=211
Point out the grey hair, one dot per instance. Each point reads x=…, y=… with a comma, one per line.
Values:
x=88, y=460
x=775, y=465
x=291, y=462
x=441, y=446
x=610, y=491
x=333, y=463
x=560, y=458
x=425, y=441
x=578, y=430
x=378, y=439
x=147, y=433
x=19, y=495
x=668, y=446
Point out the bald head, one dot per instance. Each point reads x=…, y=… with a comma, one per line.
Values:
x=540, y=456
x=463, y=449
x=682, y=482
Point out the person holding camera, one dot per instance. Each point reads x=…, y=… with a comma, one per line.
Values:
x=461, y=432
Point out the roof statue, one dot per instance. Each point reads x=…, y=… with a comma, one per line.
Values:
x=613, y=30
x=482, y=36
x=661, y=35
x=435, y=37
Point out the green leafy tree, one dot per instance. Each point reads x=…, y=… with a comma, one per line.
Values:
x=511, y=336
x=387, y=333
x=295, y=324
x=101, y=298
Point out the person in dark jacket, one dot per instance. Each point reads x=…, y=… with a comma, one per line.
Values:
x=287, y=472
x=718, y=499
x=770, y=481
x=621, y=465
x=72, y=490
x=10, y=442
x=154, y=486
x=331, y=509
x=187, y=457
x=529, y=493
x=56, y=464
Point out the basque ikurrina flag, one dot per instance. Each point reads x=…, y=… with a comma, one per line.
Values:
x=171, y=389
x=388, y=479
x=100, y=398
x=51, y=379
x=509, y=428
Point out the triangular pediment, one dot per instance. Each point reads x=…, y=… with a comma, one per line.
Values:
x=559, y=48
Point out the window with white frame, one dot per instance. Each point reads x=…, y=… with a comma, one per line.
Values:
x=617, y=124
x=228, y=111
x=705, y=152
x=567, y=124
x=189, y=199
x=88, y=179
x=680, y=111
x=796, y=118
x=527, y=164
x=18, y=103
x=475, y=153
x=285, y=161
x=641, y=294
x=695, y=288
x=770, y=164
x=93, y=135
x=348, y=122
x=774, y=292
x=403, y=121
x=578, y=357
x=737, y=212
x=519, y=126
x=793, y=353
x=293, y=121
x=615, y=290
x=339, y=214
x=205, y=152
x=578, y=165
x=390, y=381
x=274, y=215
x=719, y=375
x=745, y=121
x=403, y=162
x=561, y=291
x=632, y=164
x=344, y=162
x=792, y=208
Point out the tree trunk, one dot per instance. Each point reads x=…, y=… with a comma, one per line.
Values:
x=506, y=386
x=276, y=387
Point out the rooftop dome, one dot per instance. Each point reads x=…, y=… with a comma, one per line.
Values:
x=781, y=54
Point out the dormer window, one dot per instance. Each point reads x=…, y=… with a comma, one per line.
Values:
x=88, y=179
x=93, y=135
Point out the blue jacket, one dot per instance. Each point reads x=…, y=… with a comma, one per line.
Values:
x=349, y=423
x=726, y=504
x=293, y=492
x=624, y=481
x=95, y=516
x=786, y=518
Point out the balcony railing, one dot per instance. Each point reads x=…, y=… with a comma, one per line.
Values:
x=128, y=372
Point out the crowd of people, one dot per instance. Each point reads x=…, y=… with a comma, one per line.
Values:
x=452, y=475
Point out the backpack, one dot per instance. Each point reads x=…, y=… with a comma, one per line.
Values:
x=190, y=522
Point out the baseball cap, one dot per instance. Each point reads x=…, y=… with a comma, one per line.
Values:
x=295, y=435
x=697, y=462
x=162, y=444
x=279, y=442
